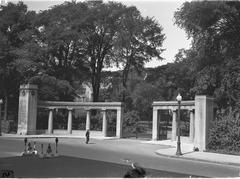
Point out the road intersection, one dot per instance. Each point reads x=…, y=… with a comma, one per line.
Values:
x=117, y=150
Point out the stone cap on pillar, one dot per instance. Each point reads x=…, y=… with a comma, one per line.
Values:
x=204, y=97
x=70, y=109
x=172, y=105
x=51, y=108
x=28, y=87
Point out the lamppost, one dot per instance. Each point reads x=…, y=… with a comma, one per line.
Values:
x=179, y=99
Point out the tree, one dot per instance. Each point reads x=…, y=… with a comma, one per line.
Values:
x=80, y=34
x=130, y=122
x=139, y=40
x=51, y=88
x=143, y=97
x=57, y=38
x=87, y=35
x=214, y=28
x=15, y=21
x=98, y=33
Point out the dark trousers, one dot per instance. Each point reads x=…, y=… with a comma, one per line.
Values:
x=87, y=139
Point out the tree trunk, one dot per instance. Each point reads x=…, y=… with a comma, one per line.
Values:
x=124, y=83
x=95, y=95
x=96, y=79
x=95, y=87
x=0, y=119
x=6, y=107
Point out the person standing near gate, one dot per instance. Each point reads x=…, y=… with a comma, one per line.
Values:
x=87, y=136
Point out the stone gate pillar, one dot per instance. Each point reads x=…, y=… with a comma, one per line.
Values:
x=155, y=125
x=0, y=117
x=174, y=125
x=69, y=125
x=27, y=110
x=104, y=123
x=50, y=121
x=191, y=130
x=203, y=117
x=119, y=122
x=88, y=119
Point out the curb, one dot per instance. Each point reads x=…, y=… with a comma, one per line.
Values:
x=196, y=159
x=54, y=136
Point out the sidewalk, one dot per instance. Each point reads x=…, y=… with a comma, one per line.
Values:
x=189, y=154
x=55, y=135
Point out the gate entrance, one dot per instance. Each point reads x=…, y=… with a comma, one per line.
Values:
x=165, y=125
x=196, y=116
x=60, y=118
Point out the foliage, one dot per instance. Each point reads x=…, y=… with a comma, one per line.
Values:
x=130, y=123
x=15, y=22
x=225, y=134
x=143, y=97
x=98, y=31
x=214, y=29
x=77, y=38
x=96, y=122
x=51, y=88
x=170, y=79
x=139, y=40
x=57, y=39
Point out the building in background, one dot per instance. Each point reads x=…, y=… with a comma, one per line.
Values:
x=3, y=2
x=84, y=93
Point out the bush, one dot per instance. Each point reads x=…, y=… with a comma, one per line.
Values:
x=224, y=136
x=130, y=124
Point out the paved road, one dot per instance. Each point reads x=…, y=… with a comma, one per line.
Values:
x=116, y=150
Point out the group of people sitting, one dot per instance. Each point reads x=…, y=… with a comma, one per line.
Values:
x=30, y=150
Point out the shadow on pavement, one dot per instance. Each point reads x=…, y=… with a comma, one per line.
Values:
x=71, y=167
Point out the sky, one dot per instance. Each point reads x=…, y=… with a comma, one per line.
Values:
x=161, y=10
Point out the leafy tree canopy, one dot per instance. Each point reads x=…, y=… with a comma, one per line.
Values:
x=214, y=28
x=15, y=22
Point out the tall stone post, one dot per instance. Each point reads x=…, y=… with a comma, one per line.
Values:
x=119, y=122
x=155, y=125
x=50, y=121
x=191, y=135
x=27, y=110
x=88, y=119
x=0, y=117
x=69, y=126
x=104, y=124
x=203, y=117
x=174, y=125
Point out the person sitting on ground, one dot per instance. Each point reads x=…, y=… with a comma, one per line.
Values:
x=49, y=150
x=34, y=149
x=135, y=172
x=29, y=149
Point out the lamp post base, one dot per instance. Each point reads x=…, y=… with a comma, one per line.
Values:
x=178, y=149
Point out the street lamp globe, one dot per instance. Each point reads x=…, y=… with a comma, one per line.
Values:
x=179, y=97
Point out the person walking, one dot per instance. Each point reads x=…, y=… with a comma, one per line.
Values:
x=87, y=136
